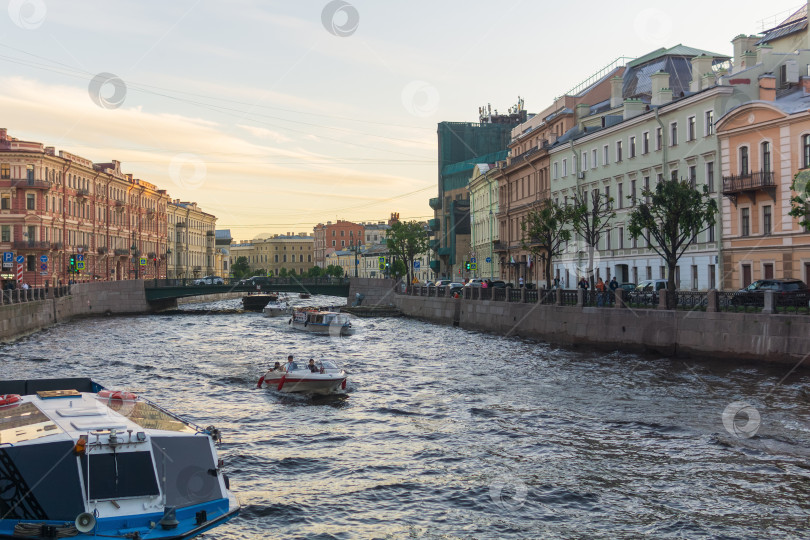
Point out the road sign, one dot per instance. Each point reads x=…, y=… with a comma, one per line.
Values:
x=472, y=260
x=43, y=267
x=489, y=259
x=417, y=264
x=143, y=261
x=19, y=272
x=20, y=259
x=43, y=273
x=382, y=263
x=79, y=257
x=8, y=256
x=473, y=266
x=80, y=265
x=43, y=259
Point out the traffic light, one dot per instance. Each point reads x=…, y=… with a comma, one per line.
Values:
x=72, y=262
x=468, y=265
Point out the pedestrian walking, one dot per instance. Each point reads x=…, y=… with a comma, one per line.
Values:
x=613, y=285
x=520, y=282
x=600, y=292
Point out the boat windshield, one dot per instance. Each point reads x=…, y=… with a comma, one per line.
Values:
x=328, y=364
x=149, y=417
x=24, y=422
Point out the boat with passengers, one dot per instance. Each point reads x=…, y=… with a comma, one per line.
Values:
x=80, y=461
x=326, y=377
x=322, y=322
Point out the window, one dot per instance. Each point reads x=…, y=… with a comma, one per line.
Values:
x=659, y=138
x=711, y=233
x=607, y=239
x=646, y=189
x=29, y=173
x=607, y=194
x=605, y=156
x=645, y=142
x=275, y=258
x=584, y=161
x=632, y=192
x=619, y=196
x=766, y=157
x=31, y=263
x=618, y=151
x=690, y=129
x=649, y=272
x=565, y=168
x=710, y=176
x=595, y=154
x=805, y=151
x=5, y=233
x=709, y=118
x=744, y=222
x=333, y=242
x=5, y=202
x=766, y=220
x=673, y=175
x=693, y=176
x=343, y=243
x=30, y=201
x=712, y=278
x=632, y=148
x=621, y=237
x=342, y=233
x=673, y=134
x=744, y=161
x=5, y=170
x=556, y=175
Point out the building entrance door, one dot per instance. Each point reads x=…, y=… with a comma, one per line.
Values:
x=746, y=275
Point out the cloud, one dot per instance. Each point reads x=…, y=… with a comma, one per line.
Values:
x=264, y=133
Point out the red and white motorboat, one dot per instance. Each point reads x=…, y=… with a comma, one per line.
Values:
x=299, y=378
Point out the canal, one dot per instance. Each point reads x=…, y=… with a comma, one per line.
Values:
x=445, y=433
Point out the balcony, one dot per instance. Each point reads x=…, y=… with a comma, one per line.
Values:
x=180, y=224
x=31, y=184
x=499, y=246
x=82, y=193
x=120, y=252
x=434, y=244
x=444, y=252
x=209, y=233
x=434, y=224
x=435, y=203
x=749, y=183
x=31, y=246
x=119, y=203
x=102, y=250
x=435, y=265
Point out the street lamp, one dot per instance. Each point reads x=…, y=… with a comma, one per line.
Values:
x=134, y=250
x=168, y=256
x=354, y=248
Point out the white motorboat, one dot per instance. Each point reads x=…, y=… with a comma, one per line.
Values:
x=300, y=378
x=322, y=322
x=80, y=461
x=277, y=309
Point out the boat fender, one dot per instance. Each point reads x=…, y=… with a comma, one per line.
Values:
x=9, y=399
x=227, y=481
x=118, y=394
x=306, y=323
x=289, y=322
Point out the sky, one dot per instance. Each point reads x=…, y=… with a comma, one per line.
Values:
x=277, y=115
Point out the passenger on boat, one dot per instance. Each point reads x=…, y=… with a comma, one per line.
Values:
x=290, y=365
x=277, y=367
x=312, y=367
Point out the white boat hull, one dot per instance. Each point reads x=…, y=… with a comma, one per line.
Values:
x=323, y=329
x=302, y=381
x=276, y=311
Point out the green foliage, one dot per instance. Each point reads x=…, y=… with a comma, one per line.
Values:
x=282, y=272
x=406, y=240
x=676, y=213
x=800, y=202
x=589, y=214
x=544, y=232
x=334, y=270
x=399, y=269
x=240, y=268
x=315, y=271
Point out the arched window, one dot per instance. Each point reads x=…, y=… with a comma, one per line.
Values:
x=806, y=150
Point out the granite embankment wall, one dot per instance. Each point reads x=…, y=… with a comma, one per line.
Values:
x=377, y=292
x=84, y=300
x=744, y=336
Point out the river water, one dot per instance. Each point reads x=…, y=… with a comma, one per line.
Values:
x=444, y=433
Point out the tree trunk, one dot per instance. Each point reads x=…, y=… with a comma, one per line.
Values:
x=547, y=269
x=672, y=296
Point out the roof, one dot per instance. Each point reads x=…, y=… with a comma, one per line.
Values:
x=223, y=234
x=677, y=50
x=795, y=23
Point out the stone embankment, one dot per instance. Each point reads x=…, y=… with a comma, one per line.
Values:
x=568, y=320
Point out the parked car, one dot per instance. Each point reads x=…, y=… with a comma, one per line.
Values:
x=498, y=284
x=440, y=283
x=628, y=287
x=454, y=286
x=754, y=294
x=209, y=280
x=476, y=282
x=646, y=292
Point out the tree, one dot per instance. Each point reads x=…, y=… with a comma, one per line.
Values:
x=282, y=272
x=671, y=221
x=406, y=240
x=399, y=268
x=240, y=268
x=334, y=270
x=800, y=203
x=589, y=215
x=544, y=231
x=315, y=271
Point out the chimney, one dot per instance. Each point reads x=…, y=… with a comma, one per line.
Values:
x=767, y=87
x=749, y=59
x=661, y=93
x=701, y=65
x=762, y=51
x=805, y=82
x=50, y=150
x=633, y=107
x=708, y=79
x=616, y=92
x=581, y=111
x=742, y=44
x=3, y=134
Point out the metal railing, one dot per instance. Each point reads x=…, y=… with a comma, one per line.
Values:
x=739, y=301
x=792, y=303
x=692, y=300
x=498, y=294
x=514, y=295
x=746, y=182
x=31, y=245
x=570, y=297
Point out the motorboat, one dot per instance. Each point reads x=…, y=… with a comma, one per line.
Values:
x=277, y=309
x=304, y=295
x=298, y=377
x=80, y=461
x=257, y=301
x=321, y=322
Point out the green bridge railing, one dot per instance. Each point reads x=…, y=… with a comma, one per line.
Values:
x=165, y=289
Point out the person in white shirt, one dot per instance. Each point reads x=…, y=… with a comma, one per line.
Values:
x=290, y=365
x=520, y=281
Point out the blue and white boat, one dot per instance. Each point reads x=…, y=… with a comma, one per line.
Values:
x=80, y=461
x=322, y=322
